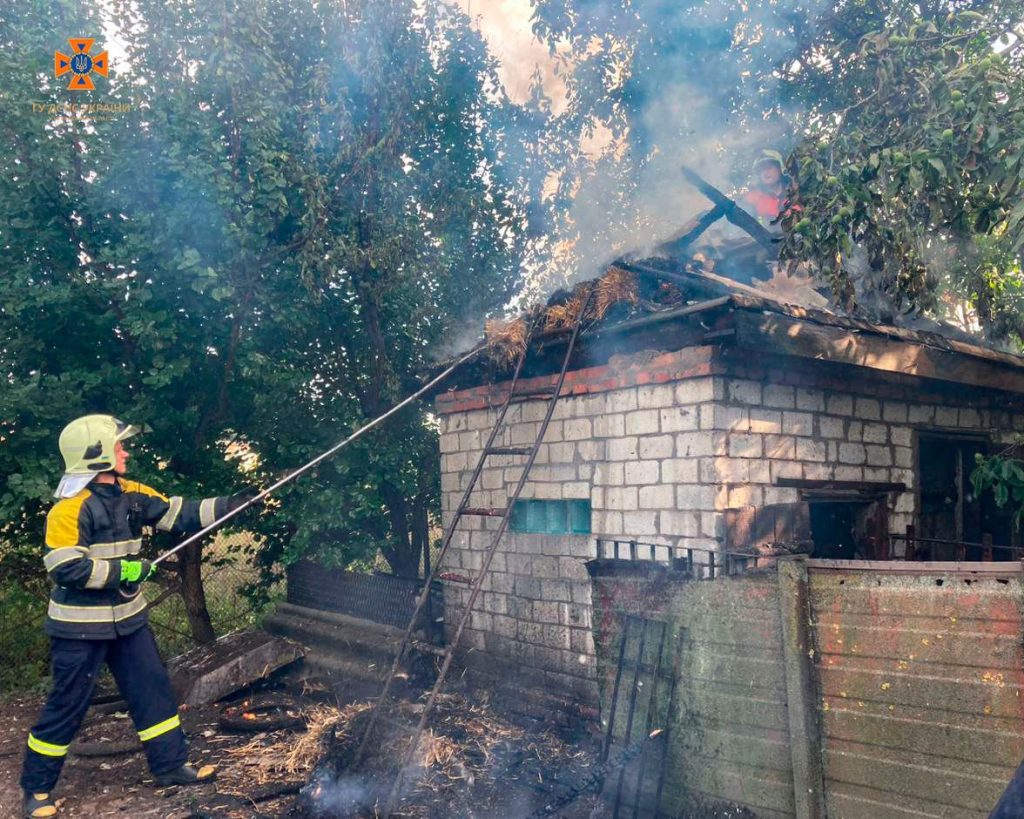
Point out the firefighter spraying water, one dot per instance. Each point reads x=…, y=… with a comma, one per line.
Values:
x=96, y=613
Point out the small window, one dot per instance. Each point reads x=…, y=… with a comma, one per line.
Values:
x=551, y=517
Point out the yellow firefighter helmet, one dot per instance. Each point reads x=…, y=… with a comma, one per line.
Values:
x=87, y=446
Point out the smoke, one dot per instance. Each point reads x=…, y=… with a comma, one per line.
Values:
x=344, y=795
x=702, y=87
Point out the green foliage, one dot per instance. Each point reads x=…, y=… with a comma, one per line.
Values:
x=1004, y=475
x=304, y=202
x=912, y=187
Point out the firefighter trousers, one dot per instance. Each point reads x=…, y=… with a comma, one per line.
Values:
x=142, y=681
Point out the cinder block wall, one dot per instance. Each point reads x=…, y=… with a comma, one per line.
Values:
x=785, y=418
x=662, y=444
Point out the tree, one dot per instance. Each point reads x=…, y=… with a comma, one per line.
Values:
x=902, y=120
x=911, y=183
x=307, y=200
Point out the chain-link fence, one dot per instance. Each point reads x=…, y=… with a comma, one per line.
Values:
x=229, y=573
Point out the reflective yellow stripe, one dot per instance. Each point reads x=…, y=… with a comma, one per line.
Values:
x=46, y=748
x=99, y=575
x=207, y=515
x=63, y=555
x=95, y=614
x=119, y=548
x=160, y=728
x=166, y=523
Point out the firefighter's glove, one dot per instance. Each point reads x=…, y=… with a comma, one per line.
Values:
x=135, y=571
x=242, y=498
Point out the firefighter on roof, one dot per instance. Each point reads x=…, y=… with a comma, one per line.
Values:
x=768, y=194
x=96, y=615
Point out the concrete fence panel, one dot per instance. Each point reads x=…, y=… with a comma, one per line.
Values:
x=920, y=677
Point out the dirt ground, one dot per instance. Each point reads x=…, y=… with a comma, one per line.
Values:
x=459, y=778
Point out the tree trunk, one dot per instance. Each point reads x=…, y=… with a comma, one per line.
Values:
x=190, y=566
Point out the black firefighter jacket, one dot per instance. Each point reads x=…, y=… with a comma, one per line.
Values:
x=89, y=534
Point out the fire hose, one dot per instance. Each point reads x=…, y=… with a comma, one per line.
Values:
x=133, y=591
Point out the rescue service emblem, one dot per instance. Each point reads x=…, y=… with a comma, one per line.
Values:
x=81, y=64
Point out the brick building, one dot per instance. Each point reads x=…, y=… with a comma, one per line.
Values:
x=729, y=421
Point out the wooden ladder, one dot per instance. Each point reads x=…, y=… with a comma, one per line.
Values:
x=552, y=393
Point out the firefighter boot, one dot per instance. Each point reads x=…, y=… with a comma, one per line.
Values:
x=39, y=806
x=186, y=775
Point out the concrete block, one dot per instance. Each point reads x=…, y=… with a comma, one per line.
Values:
x=640, y=524
x=621, y=401
x=643, y=422
x=576, y=490
x=785, y=469
x=622, y=498
x=606, y=523
x=679, y=419
x=759, y=471
x=695, y=391
x=679, y=470
x=527, y=434
x=679, y=524
x=745, y=496
x=855, y=431
x=817, y=472
x=879, y=456
x=969, y=418
x=765, y=421
x=623, y=449
x=609, y=474
x=718, y=416
x=657, y=497
x=732, y=470
x=712, y=524
x=867, y=409
x=901, y=436
x=609, y=426
x=698, y=444
x=657, y=446
x=448, y=443
x=545, y=611
x=779, y=395
x=921, y=414
x=829, y=427
x=839, y=404
x=903, y=457
x=695, y=497
x=876, y=434
x=848, y=473
x=643, y=472
x=561, y=453
x=655, y=396
x=946, y=416
x=572, y=570
x=779, y=446
x=905, y=476
x=808, y=449
x=852, y=454
x=810, y=400
x=745, y=446
x=780, y=494
x=877, y=473
x=895, y=412
x=576, y=429
x=742, y=391
x=798, y=423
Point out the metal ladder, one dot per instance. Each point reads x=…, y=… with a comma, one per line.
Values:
x=553, y=393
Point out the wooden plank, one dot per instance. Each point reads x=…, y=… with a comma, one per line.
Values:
x=842, y=345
